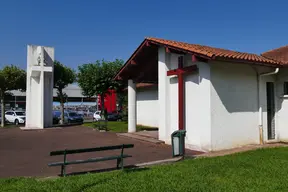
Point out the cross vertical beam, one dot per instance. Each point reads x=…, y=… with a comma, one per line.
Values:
x=180, y=72
x=180, y=95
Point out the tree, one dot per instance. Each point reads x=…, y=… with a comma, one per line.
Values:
x=11, y=78
x=122, y=98
x=98, y=78
x=63, y=76
x=124, y=105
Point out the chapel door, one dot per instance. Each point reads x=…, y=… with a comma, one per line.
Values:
x=270, y=110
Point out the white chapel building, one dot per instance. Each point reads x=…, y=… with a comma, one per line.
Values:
x=222, y=98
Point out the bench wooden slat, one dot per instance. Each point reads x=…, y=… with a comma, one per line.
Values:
x=88, y=160
x=105, y=148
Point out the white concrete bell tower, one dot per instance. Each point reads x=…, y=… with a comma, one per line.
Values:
x=39, y=91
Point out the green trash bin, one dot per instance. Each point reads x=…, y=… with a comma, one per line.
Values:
x=178, y=143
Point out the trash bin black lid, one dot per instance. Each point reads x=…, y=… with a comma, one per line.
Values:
x=178, y=133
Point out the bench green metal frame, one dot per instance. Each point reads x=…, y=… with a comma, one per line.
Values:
x=65, y=152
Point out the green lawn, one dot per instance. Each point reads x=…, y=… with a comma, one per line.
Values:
x=120, y=126
x=260, y=170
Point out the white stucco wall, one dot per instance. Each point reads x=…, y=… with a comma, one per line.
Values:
x=168, y=95
x=173, y=95
x=147, y=106
x=163, y=96
x=234, y=104
x=197, y=107
x=221, y=103
x=282, y=105
x=197, y=101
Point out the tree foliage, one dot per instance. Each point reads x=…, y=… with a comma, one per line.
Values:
x=11, y=78
x=63, y=76
x=97, y=78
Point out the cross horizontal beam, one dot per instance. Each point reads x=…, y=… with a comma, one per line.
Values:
x=42, y=68
x=182, y=70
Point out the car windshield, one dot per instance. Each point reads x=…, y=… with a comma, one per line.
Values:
x=20, y=113
x=72, y=114
x=57, y=113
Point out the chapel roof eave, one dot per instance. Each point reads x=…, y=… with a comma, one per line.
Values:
x=117, y=76
x=200, y=51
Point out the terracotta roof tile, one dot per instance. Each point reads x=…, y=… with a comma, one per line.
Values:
x=215, y=53
x=280, y=54
x=274, y=58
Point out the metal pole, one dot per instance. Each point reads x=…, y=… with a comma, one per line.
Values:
x=96, y=102
x=15, y=102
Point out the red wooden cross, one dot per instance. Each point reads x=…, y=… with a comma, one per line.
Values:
x=180, y=72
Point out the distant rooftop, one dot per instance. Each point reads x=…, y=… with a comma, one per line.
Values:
x=71, y=90
x=280, y=54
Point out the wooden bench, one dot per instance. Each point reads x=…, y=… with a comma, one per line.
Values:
x=65, y=152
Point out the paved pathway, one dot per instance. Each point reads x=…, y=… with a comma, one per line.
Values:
x=26, y=153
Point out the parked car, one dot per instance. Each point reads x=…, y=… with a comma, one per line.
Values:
x=110, y=116
x=71, y=117
x=56, y=115
x=97, y=116
x=15, y=117
x=81, y=113
x=114, y=117
x=55, y=120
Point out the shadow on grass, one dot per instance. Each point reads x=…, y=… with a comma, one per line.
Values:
x=136, y=169
x=86, y=187
x=127, y=169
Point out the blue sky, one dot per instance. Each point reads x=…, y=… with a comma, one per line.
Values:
x=87, y=30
